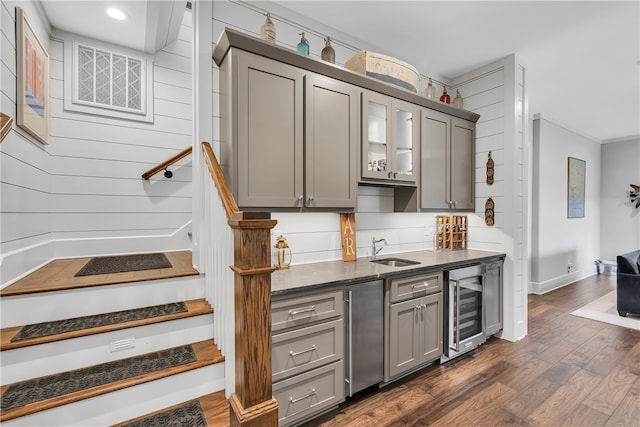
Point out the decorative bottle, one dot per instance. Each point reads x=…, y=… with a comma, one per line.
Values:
x=457, y=101
x=303, y=46
x=445, y=96
x=430, y=91
x=268, y=30
x=328, y=53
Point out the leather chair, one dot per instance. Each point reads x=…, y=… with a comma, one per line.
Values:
x=628, y=281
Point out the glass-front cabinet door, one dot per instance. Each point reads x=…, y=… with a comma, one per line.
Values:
x=390, y=134
x=406, y=131
x=376, y=135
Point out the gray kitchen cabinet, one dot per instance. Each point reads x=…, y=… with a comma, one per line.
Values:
x=288, y=136
x=331, y=138
x=390, y=139
x=493, y=298
x=263, y=145
x=414, y=326
x=307, y=354
x=447, y=162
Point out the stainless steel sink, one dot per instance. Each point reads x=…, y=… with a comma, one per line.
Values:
x=395, y=262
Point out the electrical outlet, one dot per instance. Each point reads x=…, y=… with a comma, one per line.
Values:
x=569, y=266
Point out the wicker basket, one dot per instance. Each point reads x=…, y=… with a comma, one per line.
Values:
x=385, y=68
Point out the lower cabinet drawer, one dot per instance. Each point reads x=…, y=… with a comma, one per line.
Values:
x=309, y=393
x=302, y=349
x=415, y=286
x=300, y=311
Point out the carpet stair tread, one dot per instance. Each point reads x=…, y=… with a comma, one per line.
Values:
x=11, y=338
x=214, y=406
x=60, y=274
x=31, y=396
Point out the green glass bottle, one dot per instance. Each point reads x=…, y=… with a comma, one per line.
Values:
x=303, y=46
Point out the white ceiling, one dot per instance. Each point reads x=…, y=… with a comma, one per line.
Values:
x=150, y=24
x=582, y=58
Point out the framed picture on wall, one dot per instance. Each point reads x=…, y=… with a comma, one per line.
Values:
x=577, y=170
x=32, y=80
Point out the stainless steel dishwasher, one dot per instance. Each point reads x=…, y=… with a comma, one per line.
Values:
x=365, y=336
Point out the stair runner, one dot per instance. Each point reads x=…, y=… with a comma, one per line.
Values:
x=37, y=394
x=39, y=333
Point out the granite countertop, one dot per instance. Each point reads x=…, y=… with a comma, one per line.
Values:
x=309, y=276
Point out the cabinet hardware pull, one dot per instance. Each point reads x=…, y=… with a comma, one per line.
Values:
x=298, y=399
x=298, y=353
x=416, y=287
x=395, y=174
x=311, y=198
x=300, y=198
x=302, y=310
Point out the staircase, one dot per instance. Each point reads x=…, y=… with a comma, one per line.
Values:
x=129, y=360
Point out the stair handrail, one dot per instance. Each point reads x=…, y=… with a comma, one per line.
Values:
x=229, y=202
x=252, y=403
x=164, y=165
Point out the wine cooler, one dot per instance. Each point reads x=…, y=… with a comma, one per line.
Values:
x=464, y=304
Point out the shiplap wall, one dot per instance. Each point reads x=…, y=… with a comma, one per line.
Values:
x=25, y=181
x=82, y=194
x=490, y=91
x=493, y=91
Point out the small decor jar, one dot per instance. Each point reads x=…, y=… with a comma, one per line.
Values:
x=430, y=91
x=457, y=101
x=303, y=46
x=445, y=96
x=328, y=53
x=268, y=30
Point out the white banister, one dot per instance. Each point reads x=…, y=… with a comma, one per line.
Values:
x=217, y=250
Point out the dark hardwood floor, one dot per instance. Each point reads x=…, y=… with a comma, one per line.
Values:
x=568, y=371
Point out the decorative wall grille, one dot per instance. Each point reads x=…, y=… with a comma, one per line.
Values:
x=109, y=80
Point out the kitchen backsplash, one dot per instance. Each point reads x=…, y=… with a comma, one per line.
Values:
x=315, y=236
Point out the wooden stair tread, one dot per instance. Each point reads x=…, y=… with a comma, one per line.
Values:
x=194, y=308
x=207, y=353
x=59, y=275
x=215, y=407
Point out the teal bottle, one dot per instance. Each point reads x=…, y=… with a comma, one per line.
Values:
x=303, y=46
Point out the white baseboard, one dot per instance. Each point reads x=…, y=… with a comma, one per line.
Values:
x=540, y=288
x=21, y=262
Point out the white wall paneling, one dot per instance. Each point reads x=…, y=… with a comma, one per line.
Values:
x=82, y=194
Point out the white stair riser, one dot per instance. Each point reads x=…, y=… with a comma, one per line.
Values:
x=47, y=306
x=132, y=402
x=60, y=356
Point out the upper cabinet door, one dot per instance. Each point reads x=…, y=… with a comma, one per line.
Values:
x=269, y=113
x=390, y=132
x=435, y=166
x=463, y=138
x=376, y=135
x=406, y=133
x=331, y=137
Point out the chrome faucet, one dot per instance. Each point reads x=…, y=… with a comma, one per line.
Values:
x=375, y=251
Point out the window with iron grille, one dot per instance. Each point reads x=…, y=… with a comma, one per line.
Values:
x=108, y=79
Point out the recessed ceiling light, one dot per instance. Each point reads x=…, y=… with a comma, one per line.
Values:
x=116, y=14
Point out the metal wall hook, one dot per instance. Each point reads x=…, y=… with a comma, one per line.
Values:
x=168, y=173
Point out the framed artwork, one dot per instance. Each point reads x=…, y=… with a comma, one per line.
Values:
x=32, y=81
x=577, y=170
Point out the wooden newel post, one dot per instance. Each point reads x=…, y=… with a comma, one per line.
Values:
x=253, y=404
